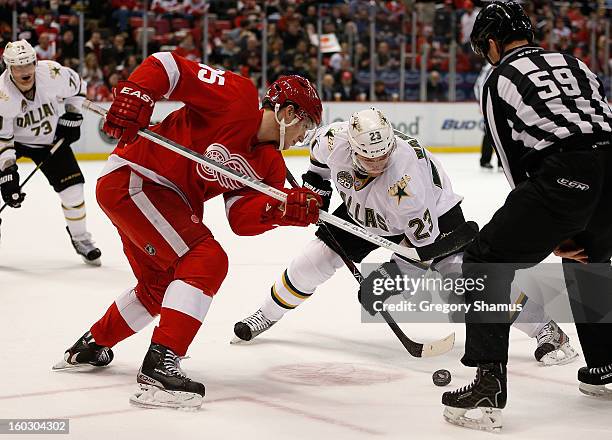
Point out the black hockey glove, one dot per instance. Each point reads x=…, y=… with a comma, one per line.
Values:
x=318, y=185
x=380, y=285
x=69, y=127
x=9, y=187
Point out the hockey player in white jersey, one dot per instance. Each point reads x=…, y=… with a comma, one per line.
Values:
x=392, y=187
x=31, y=96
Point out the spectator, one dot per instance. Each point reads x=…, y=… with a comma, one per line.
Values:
x=188, y=49
x=561, y=31
x=116, y=53
x=385, y=61
x=44, y=50
x=95, y=45
x=91, y=71
x=380, y=91
x=25, y=29
x=275, y=69
x=68, y=52
x=467, y=22
x=443, y=22
x=328, y=88
x=72, y=25
x=348, y=91
x=435, y=88
x=122, y=11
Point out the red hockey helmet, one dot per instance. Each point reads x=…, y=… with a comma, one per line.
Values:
x=296, y=90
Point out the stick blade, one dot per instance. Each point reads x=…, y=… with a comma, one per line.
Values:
x=439, y=347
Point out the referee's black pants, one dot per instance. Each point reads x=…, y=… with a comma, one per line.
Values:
x=538, y=215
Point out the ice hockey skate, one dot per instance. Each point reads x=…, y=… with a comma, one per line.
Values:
x=553, y=346
x=486, y=393
x=85, y=247
x=85, y=353
x=162, y=383
x=250, y=327
x=593, y=381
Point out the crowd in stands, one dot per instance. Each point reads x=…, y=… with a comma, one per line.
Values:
x=114, y=34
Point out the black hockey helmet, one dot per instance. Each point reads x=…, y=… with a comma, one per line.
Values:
x=503, y=22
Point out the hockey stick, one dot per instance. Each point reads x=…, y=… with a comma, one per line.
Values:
x=416, y=349
x=408, y=253
x=51, y=151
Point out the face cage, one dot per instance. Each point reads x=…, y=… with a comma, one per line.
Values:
x=358, y=166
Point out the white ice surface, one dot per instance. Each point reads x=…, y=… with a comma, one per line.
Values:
x=319, y=373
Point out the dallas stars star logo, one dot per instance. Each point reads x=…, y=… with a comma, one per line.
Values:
x=55, y=71
x=398, y=189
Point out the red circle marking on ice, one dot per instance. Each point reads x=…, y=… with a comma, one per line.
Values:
x=332, y=373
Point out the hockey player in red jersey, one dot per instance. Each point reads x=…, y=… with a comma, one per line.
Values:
x=155, y=199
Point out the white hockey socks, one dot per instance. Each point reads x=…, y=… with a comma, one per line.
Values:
x=73, y=205
x=315, y=265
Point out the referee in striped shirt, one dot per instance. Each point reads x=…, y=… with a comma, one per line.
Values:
x=551, y=125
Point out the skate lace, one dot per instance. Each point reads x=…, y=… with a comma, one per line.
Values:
x=547, y=334
x=601, y=370
x=84, y=241
x=257, y=321
x=172, y=365
x=465, y=388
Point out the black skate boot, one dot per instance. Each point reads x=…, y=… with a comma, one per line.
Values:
x=162, y=383
x=593, y=381
x=251, y=326
x=487, y=393
x=553, y=346
x=85, y=247
x=85, y=352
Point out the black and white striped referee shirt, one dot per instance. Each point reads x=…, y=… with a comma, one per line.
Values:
x=536, y=99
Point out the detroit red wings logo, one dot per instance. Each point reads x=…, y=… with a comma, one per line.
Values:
x=219, y=153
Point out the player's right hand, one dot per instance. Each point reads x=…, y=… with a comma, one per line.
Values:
x=300, y=209
x=317, y=184
x=9, y=187
x=131, y=110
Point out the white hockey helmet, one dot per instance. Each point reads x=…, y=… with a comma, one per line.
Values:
x=19, y=53
x=372, y=141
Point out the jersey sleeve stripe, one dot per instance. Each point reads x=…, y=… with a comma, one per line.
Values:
x=488, y=110
x=171, y=68
x=318, y=164
x=230, y=202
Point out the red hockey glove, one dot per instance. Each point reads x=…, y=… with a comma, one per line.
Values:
x=131, y=110
x=301, y=208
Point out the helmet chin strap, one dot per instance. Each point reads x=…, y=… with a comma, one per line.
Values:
x=283, y=126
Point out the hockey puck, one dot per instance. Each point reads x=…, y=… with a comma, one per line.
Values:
x=441, y=378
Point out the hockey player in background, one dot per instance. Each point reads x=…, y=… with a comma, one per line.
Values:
x=394, y=188
x=31, y=121
x=155, y=198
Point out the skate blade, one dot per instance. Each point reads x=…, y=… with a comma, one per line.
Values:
x=553, y=358
x=152, y=397
x=600, y=391
x=491, y=419
x=237, y=341
x=96, y=263
x=439, y=347
x=63, y=365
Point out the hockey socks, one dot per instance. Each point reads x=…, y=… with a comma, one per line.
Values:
x=183, y=310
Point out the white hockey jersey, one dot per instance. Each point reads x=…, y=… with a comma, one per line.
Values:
x=408, y=198
x=33, y=122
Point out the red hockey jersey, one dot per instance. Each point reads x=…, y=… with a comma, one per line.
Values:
x=220, y=119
